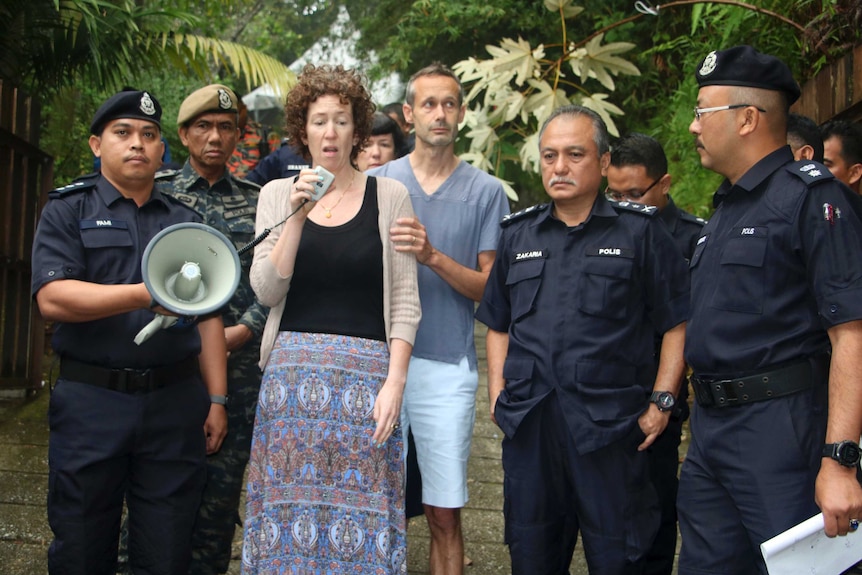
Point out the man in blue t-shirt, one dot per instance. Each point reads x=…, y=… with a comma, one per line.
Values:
x=454, y=236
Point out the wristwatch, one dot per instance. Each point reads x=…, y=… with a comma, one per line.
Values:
x=221, y=400
x=664, y=400
x=847, y=453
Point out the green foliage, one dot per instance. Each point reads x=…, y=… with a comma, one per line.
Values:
x=513, y=92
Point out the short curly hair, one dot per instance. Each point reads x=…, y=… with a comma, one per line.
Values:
x=326, y=80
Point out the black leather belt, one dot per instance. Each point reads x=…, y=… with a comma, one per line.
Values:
x=731, y=391
x=128, y=380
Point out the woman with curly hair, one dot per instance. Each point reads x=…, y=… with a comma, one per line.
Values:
x=325, y=487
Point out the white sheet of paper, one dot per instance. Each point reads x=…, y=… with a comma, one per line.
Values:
x=806, y=550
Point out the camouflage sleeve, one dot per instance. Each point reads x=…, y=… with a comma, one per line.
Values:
x=254, y=318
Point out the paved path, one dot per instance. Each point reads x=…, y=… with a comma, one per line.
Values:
x=24, y=532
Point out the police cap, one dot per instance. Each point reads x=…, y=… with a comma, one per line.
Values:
x=127, y=104
x=212, y=98
x=745, y=66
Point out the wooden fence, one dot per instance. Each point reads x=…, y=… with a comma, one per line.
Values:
x=836, y=91
x=26, y=173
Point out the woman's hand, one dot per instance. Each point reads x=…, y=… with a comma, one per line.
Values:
x=302, y=191
x=387, y=411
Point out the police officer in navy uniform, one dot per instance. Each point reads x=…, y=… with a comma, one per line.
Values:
x=775, y=330
x=126, y=421
x=577, y=291
x=638, y=173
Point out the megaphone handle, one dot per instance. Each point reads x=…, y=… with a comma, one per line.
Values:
x=159, y=322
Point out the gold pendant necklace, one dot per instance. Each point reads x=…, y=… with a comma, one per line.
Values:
x=328, y=211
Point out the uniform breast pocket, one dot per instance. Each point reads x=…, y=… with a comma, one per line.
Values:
x=241, y=231
x=698, y=251
x=605, y=286
x=741, y=275
x=523, y=282
x=110, y=254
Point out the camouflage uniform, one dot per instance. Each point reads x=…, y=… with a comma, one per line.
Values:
x=229, y=206
x=253, y=145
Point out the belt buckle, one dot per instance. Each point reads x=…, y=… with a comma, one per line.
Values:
x=128, y=380
x=723, y=392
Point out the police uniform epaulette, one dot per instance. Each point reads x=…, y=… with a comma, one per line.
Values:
x=810, y=172
x=164, y=174
x=508, y=219
x=642, y=209
x=684, y=215
x=82, y=184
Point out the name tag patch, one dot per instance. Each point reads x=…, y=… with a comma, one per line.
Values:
x=750, y=231
x=529, y=255
x=611, y=251
x=93, y=224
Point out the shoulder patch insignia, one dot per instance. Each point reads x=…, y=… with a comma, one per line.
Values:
x=633, y=207
x=508, y=219
x=809, y=171
x=684, y=215
x=84, y=183
x=164, y=174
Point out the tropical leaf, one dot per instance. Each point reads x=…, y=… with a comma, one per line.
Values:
x=599, y=104
x=599, y=61
x=544, y=100
x=566, y=6
x=514, y=60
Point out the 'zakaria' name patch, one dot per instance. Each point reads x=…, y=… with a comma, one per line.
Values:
x=529, y=255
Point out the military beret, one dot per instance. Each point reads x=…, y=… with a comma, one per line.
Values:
x=127, y=104
x=745, y=66
x=212, y=98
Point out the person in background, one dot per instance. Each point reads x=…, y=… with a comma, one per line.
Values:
x=842, y=152
x=255, y=143
x=326, y=477
x=453, y=237
x=207, y=124
x=804, y=139
x=385, y=144
x=127, y=421
x=578, y=291
x=774, y=338
x=638, y=174
x=395, y=110
x=285, y=162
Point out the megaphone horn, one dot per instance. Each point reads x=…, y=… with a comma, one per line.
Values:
x=189, y=269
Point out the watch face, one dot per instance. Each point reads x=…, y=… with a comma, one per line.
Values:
x=849, y=453
x=664, y=400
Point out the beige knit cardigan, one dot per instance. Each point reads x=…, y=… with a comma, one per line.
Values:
x=401, y=308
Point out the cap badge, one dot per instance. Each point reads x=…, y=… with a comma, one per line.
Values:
x=147, y=105
x=224, y=101
x=708, y=66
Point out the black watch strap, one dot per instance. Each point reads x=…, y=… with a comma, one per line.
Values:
x=846, y=453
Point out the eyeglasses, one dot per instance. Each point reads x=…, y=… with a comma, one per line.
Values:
x=698, y=112
x=633, y=196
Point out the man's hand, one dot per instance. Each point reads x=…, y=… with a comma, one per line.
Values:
x=215, y=427
x=409, y=235
x=839, y=496
x=652, y=422
x=236, y=336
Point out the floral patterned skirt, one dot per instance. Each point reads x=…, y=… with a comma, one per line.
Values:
x=322, y=499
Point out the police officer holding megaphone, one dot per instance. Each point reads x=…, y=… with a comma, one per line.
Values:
x=128, y=422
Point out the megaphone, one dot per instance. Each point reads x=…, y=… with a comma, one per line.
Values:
x=189, y=269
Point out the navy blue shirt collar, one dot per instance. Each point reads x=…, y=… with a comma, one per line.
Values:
x=111, y=195
x=755, y=176
x=601, y=208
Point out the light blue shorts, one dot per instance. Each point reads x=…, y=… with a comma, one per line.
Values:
x=440, y=408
